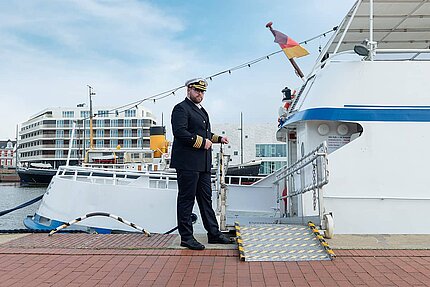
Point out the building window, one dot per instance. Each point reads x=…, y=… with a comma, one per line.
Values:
x=113, y=143
x=100, y=133
x=59, y=134
x=85, y=114
x=68, y=114
x=60, y=123
x=59, y=143
x=58, y=153
x=127, y=123
x=114, y=123
x=113, y=133
x=130, y=113
x=99, y=143
x=271, y=150
x=103, y=113
x=127, y=133
x=100, y=123
x=127, y=143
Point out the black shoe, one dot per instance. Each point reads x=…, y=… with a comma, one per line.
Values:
x=219, y=239
x=192, y=244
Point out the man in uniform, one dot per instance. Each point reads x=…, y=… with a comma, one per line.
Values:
x=192, y=159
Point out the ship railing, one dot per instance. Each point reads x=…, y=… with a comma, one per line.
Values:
x=153, y=179
x=293, y=182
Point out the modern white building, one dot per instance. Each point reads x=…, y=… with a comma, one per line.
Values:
x=45, y=137
x=252, y=142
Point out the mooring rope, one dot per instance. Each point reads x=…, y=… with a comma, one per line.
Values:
x=193, y=220
x=22, y=205
x=91, y=214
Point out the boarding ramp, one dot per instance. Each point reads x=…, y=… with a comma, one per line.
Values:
x=281, y=242
x=273, y=217
x=300, y=190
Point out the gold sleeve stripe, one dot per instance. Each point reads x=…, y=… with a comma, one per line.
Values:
x=215, y=138
x=199, y=142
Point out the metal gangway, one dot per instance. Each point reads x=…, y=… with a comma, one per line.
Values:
x=295, y=234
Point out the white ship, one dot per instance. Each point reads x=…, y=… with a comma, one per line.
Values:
x=369, y=103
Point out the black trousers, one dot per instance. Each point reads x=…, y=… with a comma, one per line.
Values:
x=194, y=185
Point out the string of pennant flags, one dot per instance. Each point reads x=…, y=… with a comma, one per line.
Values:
x=172, y=92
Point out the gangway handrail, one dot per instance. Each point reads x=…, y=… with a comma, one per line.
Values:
x=306, y=160
x=318, y=158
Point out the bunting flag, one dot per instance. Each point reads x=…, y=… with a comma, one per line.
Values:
x=290, y=47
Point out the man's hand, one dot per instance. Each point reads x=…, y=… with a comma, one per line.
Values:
x=224, y=140
x=208, y=144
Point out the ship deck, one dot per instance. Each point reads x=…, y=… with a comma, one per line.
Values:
x=133, y=259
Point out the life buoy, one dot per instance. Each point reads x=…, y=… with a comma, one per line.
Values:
x=285, y=193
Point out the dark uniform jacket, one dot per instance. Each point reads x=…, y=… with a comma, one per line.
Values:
x=191, y=128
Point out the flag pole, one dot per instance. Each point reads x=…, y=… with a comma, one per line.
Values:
x=292, y=61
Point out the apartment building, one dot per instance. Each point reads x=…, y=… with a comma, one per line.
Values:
x=46, y=136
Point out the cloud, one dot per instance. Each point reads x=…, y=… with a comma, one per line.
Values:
x=129, y=50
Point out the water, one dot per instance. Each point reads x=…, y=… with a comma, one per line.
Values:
x=13, y=195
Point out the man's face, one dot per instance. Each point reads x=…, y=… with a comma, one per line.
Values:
x=196, y=95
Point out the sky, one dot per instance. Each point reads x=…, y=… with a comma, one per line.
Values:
x=128, y=50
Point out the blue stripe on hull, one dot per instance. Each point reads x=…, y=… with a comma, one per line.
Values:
x=399, y=114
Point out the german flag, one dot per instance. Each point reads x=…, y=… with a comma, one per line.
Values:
x=290, y=47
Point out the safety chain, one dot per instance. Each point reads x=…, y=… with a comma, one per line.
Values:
x=314, y=180
x=324, y=243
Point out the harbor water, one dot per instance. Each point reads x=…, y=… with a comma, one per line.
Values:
x=12, y=195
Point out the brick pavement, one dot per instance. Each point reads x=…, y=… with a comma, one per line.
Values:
x=30, y=261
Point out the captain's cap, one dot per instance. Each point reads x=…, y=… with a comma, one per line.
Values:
x=197, y=83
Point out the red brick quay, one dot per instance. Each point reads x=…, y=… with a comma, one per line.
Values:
x=136, y=260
